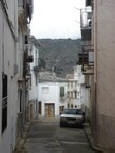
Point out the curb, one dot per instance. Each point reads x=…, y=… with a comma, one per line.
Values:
x=90, y=140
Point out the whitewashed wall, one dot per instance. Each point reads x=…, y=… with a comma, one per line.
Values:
x=8, y=54
x=75, y=84
x=52, y=96
x=33, y=92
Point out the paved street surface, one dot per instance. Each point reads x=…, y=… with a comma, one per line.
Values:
x=48, y=137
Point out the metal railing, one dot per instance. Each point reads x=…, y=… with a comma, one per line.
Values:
x=4, y=102
x=4, y=114
x=86, y=18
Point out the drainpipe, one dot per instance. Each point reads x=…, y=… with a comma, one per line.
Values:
x=95, y=67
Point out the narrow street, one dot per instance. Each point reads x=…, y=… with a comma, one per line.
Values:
x=48, y=137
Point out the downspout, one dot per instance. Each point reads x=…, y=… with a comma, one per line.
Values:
x=95, y=66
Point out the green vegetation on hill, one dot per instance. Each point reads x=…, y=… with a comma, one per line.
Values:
x=59, y=55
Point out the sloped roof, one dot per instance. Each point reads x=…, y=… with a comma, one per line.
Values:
x=49, y=76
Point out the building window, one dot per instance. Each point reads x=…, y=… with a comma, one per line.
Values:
x=71, y=84
x=78, y=95
x=68, y=106
x=26, y=39
x=40, y=107
x=75, y=84
x=71, y=105
x=4, y=102
x=68, y=94
x=20, y=93
x=75, y=94
x=88, y=2
x=71, y=94
x=45, y=90
x=36, y=79
x=61, y=91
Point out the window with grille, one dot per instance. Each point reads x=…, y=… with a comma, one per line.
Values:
x=4, y=102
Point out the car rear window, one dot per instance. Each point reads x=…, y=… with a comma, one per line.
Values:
x=72, y=111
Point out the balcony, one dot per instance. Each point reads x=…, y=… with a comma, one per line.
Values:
x=86, y=58
x=91, y=58
x=36, y=68
x=88, y=2
x=30, y=59
x=29, y=10
x=28, y=47
x=26, y=71
x=86, y=23
x=21, y=15
x=4, y=102
x=87, y=46
x=4, y=113
x=25, y=11
x=83, y=58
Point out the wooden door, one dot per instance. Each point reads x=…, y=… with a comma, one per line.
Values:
x=49, y=110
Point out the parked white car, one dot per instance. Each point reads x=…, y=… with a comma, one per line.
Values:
x=72, y=117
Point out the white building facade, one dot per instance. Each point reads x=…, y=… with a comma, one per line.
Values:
x=84, y=90
x=34, y=70
x=49, y=99
x=52, y=93
x=11, y=72
x=78, y=94
x=8, y=77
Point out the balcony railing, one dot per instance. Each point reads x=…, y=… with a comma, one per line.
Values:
x=30, y=59
x=86, y=23
x=86, y=18
x=4, y=102
x=86, y=58
x=91, y=58
x=26, y=6
x=36, y=68
x=26, y=71
x=29, y=10
x=83, y=58
x=4, y=113
x=88, y=2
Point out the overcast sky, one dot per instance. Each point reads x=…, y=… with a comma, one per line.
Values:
x=56, y=19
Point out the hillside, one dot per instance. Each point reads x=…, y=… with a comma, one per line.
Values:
x=59, y=54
